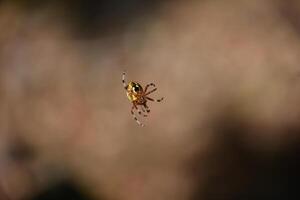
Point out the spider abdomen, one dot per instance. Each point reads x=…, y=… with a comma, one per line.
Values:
x=134, y=91
x=132, y=97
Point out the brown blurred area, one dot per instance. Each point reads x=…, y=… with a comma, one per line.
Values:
x=227, y=129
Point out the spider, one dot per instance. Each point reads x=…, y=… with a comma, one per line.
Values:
x=138, y=96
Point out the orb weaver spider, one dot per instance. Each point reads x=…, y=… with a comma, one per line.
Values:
x=139, y=97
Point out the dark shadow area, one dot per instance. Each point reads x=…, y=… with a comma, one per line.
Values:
x=233, y=171
x=289, y=10
x=20, y=151
x=64, y=190
x=108, y=17
x=90, y=18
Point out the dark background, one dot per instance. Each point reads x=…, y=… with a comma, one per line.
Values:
x=227, y=129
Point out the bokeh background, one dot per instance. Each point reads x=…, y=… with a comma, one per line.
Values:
x=227, y=129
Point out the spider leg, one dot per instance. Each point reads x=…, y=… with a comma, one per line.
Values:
x=150, y=91
x=134, y=117
x=123, y=81
x=147, y=108
x=139, y=111
x=150, y=84
x=157, y=100
x=143, y=109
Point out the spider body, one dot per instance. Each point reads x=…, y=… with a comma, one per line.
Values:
x=139, y=97
x=134, y=93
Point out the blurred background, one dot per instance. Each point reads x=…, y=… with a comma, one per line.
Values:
x=229, y=127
